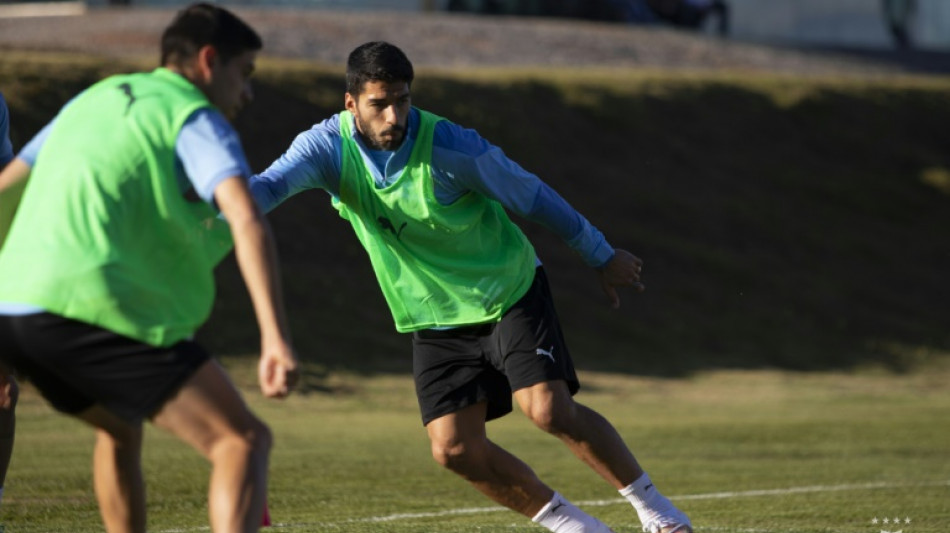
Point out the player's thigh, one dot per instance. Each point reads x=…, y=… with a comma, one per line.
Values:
x=208, y=408
x=115, y=427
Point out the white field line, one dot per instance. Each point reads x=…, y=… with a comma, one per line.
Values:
x=602, y=503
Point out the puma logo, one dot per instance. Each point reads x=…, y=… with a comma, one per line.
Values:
x=547, y=353
x=126, y=88
x=387, y=224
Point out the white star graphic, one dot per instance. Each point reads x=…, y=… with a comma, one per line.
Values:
x=907, y=520
x=874, y=520
x=896, y=520
x=887, y=521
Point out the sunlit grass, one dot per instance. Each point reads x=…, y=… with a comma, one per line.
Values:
x=740, y=451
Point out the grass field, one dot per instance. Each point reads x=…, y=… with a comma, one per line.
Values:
x=786, y=223
x=758, y=451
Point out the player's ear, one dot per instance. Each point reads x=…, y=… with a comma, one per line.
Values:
x=206, y=59
x=349, y=103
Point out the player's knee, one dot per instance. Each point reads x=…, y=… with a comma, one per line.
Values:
x=254, y=440
x=259, y=437
x=455, y=455
x=549, y=406
x=447, y=453
x=552, y=418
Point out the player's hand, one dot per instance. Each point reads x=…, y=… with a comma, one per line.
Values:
x=278, y=370
x=621, y=271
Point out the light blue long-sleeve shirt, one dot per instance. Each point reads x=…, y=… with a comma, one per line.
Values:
x=462, y=163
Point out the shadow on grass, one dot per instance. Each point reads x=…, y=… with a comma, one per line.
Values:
x=785, y=223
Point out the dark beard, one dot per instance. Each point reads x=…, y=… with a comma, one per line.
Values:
x=375, y=143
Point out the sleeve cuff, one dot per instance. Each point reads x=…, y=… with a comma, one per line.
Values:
x=592, y=247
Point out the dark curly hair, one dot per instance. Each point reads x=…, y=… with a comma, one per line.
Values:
x=376, y=61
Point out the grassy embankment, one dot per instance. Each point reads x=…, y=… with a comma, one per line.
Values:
x=785, y=222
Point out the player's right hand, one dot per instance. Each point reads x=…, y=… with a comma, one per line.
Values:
x=621, y=271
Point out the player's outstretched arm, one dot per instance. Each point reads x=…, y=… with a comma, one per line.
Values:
x=623, y=270
x=257, y=258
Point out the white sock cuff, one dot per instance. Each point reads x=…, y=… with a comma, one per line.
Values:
x=546, y=509
x=637, y=487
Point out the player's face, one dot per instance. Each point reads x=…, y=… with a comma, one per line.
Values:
x=381, y=112
x=230, y=88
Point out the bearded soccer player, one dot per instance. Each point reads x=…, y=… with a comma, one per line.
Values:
x=427, y=199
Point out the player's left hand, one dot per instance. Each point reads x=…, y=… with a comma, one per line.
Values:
x=621, y=271
x=278, y=370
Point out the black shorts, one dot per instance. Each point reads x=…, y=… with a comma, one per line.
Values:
x=459, y=367
x=76, y=365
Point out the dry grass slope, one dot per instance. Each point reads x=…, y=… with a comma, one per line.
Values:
x=793, y=223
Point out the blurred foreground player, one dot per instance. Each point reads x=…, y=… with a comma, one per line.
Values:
x=107, y=270
x=9, y=390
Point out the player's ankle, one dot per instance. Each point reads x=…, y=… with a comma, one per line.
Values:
x=561, y=516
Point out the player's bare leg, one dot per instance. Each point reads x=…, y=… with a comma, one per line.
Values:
x=596, y=442
x=117, y=471
x=209, y=414
x=460, y=444
x=588, y=434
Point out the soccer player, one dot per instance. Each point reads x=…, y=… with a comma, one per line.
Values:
x=107, y=270
x=9, y=391
x=427, y=200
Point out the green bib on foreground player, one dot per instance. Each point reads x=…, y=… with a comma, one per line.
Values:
x=103, y=234
x=464, y=263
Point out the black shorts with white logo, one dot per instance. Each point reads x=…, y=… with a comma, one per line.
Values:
x=76, y=365
x=459, y=367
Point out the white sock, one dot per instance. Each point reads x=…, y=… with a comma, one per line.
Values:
x=654, y=509
x=562, y=516
x=641, y=492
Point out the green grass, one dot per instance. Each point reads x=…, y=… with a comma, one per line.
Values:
x=785, y=223
x=753, y=451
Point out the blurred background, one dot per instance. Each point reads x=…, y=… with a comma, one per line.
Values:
x=782, y=166
x=858, y=23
